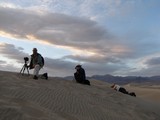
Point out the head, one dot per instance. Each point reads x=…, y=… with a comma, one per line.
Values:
x=34, y=50
x=113, y=85
x=78, y=67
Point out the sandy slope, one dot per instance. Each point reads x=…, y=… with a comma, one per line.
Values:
x=22, y=98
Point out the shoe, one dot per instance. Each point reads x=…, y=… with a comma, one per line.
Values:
x=35, y=77
x=45, y=75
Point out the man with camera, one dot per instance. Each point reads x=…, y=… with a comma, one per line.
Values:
x=36, y=63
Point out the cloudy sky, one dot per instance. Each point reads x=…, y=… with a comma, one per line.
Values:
x=117, y=37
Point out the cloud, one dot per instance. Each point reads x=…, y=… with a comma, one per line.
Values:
x=58, y=64
x=59, y=67
x=55, y=67
x=90, y=41
x=150, y=71
x=59, y=29
x=94, y=59
x=155, y=61
x=70, y=32
x=9, y=5
x=36, y=24
x=62, y=67
x=10, y=67
x=87, y=8
x=2, y=62
x=11, y=52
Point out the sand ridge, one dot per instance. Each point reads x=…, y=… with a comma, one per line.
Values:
x=22, y=98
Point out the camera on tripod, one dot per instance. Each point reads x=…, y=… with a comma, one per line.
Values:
x=25, y=66
x=26, y=59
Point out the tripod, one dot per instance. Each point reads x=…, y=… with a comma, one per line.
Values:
x=25, y=66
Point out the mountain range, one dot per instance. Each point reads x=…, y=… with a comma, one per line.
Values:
x=123, y=80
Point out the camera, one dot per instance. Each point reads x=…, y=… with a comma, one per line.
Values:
x=26, y=59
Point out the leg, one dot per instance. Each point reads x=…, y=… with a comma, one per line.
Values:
x=26, y=66
x=123, y=90
x=27, y=70
x=36, y=71
x=76, y=76
x=132, y=94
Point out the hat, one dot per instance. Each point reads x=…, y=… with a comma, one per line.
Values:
x=78, y=66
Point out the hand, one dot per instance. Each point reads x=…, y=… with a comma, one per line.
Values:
x=31, y=67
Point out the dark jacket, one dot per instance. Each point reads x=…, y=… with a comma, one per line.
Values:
x=80, y=75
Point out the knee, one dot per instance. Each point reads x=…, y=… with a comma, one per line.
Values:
x=37, y=66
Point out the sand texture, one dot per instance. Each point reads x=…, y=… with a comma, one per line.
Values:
x=147, y=92
x=22, y=98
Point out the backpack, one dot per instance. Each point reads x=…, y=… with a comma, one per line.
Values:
x=42, y=59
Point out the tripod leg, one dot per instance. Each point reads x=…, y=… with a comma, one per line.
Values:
x=22, y=69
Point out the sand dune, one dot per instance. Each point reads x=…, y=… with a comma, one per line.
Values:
x=22, y=98
x=147, y=92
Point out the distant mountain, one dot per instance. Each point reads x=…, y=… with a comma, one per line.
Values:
x=69, y=77
x=127, y=79
x=122, y=80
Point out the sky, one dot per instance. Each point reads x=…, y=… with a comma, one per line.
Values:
x=117, y=37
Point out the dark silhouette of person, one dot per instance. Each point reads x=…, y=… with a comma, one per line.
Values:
x=80, y=75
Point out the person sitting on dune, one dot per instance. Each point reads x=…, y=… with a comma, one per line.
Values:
x=80, y=75
x=121, y=89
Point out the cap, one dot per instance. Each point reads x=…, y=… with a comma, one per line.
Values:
x=78, y=66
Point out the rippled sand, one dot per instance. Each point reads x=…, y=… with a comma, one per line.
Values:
x=22, y=98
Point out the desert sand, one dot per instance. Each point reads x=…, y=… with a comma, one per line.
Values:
x=146, y=91
x=22, y=98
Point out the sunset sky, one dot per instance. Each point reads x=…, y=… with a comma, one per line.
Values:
x=117, y=37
